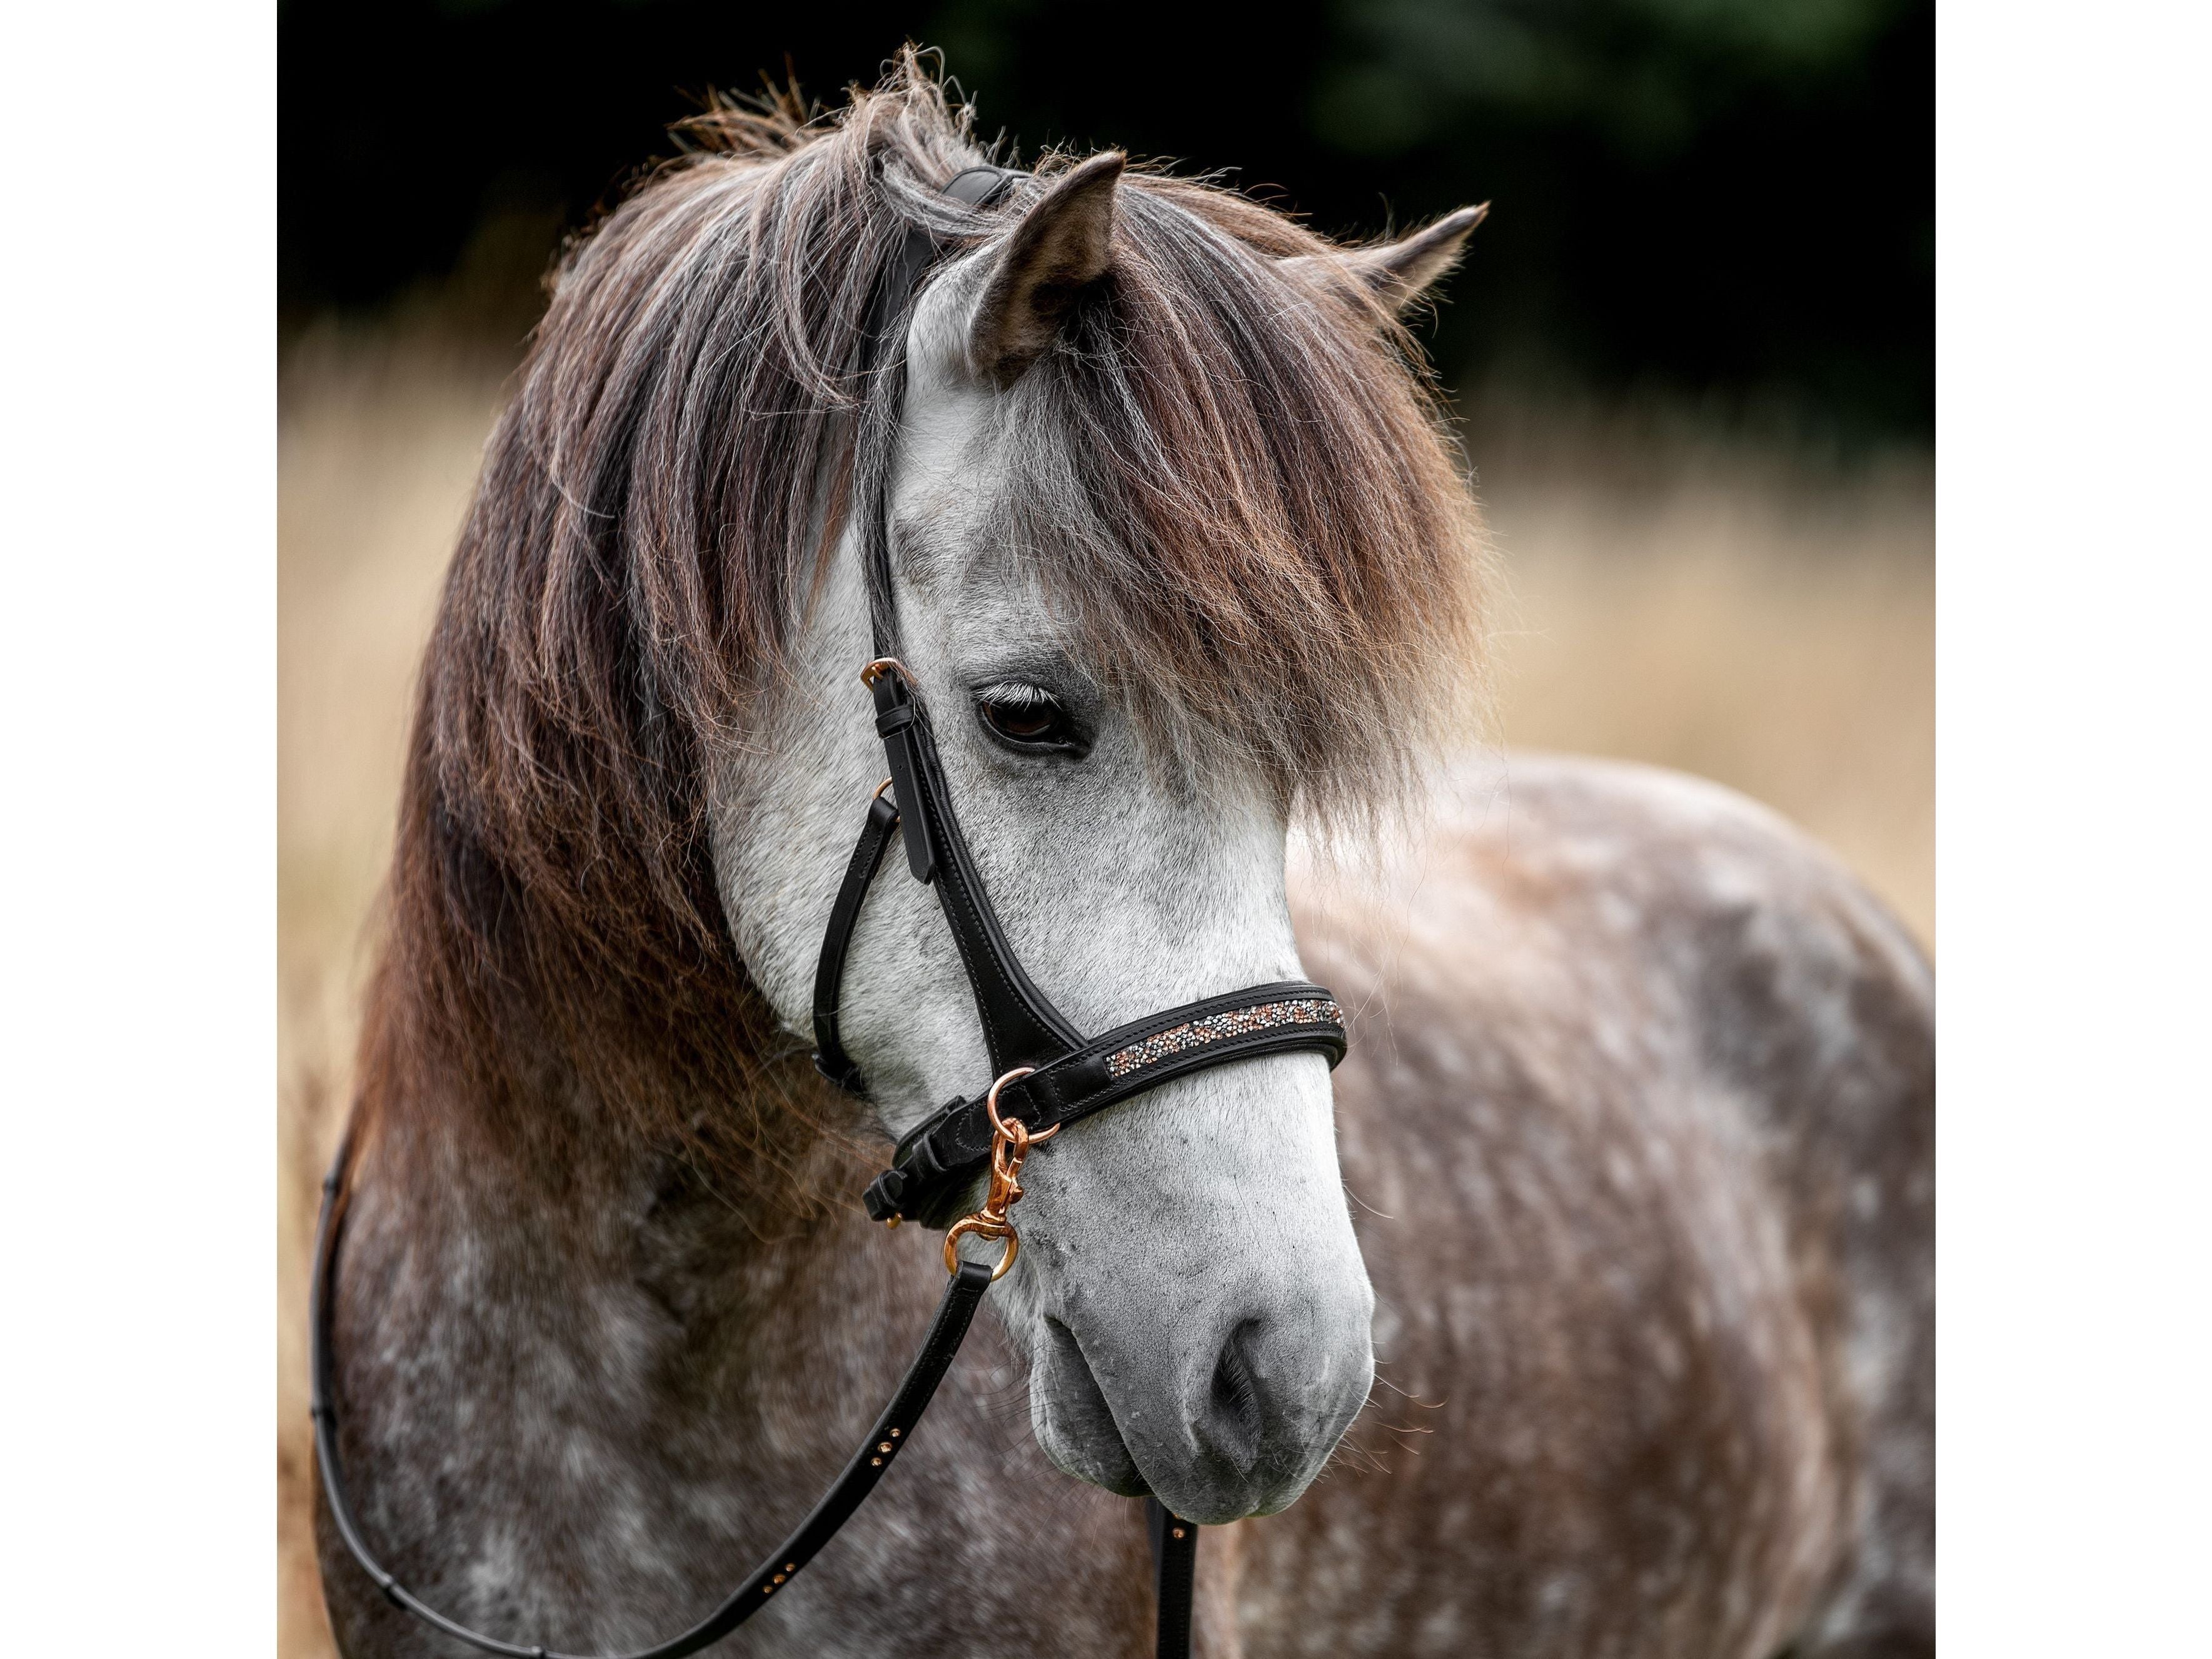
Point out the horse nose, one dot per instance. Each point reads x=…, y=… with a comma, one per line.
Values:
x=1278, y=1396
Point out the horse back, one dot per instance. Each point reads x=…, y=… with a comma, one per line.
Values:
x=1638, y=1130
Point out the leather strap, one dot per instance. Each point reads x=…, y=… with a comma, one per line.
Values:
x=1020, y=1026
x=829, y=1056
x=1175, y=1561
x=882, y=352
x=892, y=1433
x=940, y=1158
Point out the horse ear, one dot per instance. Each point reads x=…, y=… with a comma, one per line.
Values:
x=1398, y=272
x=1062, y=246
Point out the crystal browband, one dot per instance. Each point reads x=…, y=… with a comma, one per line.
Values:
x=1238, y=1022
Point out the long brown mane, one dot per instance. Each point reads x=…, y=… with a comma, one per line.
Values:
x=1247, y=499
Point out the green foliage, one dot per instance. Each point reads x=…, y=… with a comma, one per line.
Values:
x=1646, y=75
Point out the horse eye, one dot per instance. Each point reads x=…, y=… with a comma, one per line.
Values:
x=1026, y=716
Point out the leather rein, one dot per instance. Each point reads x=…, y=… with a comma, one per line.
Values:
x=1048, y=1075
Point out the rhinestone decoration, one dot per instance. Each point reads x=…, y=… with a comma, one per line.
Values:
x=1238, y=1022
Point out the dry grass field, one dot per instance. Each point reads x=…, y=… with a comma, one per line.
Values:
x=1721, y=607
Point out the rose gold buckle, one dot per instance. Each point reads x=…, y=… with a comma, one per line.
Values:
x=882, y=665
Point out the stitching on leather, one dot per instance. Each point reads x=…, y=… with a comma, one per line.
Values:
x=957, y=885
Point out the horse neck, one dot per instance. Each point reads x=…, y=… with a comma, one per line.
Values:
x=500, y=1184
x=612, y=1333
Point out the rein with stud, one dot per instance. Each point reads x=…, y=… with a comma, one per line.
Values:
x=1048, y=1076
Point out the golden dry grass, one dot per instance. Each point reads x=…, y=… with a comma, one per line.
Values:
x=376, y=449
x=1730, y=609
x=1677, y=600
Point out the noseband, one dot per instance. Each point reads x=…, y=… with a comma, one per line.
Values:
x=1048, y=1076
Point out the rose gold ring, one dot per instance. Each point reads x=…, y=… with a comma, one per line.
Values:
x=1000, y=1124
x=983, y=1228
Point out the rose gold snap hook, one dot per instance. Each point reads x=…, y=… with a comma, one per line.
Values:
x=1010, y=1143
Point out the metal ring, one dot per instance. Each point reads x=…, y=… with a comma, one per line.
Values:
x=991, y=1106
x=879, y=795
x=975, y=1224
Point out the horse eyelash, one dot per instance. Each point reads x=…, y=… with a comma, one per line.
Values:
x=1016, y=694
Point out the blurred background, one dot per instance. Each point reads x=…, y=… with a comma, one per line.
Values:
x=1692, y=352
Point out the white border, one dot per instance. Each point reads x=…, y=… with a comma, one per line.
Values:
x=2074, y=833
x=138, y=668
x=137, y=1015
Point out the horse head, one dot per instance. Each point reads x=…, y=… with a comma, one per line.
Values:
x=1168, y=527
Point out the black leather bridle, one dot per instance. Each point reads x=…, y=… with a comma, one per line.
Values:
x=1048, y=1075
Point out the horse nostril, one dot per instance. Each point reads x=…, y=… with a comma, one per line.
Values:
x=1233, y=1419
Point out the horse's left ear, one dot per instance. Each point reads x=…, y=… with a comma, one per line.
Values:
x=1398, y=272
x=1061, y=246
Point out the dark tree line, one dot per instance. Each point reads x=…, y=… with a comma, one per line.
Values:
x=1719, y=198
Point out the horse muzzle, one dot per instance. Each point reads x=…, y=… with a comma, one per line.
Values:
x=1221, y=1412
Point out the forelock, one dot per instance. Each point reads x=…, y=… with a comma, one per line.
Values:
x=1235, y=477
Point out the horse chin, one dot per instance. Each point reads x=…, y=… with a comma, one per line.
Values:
x=1072, y=1419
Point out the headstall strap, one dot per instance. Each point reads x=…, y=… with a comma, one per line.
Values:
x=1048, y=1075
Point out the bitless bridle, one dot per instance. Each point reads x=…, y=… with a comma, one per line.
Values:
x=1048, y=1076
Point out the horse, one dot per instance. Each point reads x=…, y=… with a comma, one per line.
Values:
x=1586, y=1309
